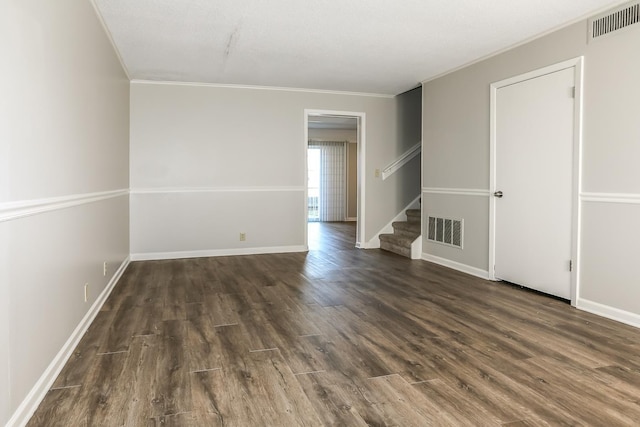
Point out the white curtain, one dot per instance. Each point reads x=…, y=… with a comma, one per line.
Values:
x=332, y=203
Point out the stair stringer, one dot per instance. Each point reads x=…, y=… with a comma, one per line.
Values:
x=416, y=248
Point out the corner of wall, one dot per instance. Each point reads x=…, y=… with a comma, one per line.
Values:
x=37, y=393
x=622, y=316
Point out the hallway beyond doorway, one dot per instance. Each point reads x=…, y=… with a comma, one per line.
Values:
x=331, y=236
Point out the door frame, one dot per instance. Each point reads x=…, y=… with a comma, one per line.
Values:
x=361, y=125
x=577, y=65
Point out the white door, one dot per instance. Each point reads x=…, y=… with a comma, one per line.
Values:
x=533, y=182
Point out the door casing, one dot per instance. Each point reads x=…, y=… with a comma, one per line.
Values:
x=361, y=118
x=577, y=65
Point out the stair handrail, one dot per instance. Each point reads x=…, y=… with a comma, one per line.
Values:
x=405, y=158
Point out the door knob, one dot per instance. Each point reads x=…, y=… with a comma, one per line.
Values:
x=498, y=194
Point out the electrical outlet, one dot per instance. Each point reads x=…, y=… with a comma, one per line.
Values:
x=243, y=237
x=86, y=292
x=104, y=269
x=377, y=173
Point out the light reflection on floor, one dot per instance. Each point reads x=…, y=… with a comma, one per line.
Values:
x=331, y=236
x=315, y=236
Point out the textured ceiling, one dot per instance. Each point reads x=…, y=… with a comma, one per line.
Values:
x=373, y=46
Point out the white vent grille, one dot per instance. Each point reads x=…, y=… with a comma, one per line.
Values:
x=446, y=231
x=622, y=17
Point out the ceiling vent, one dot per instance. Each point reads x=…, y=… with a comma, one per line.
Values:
x=624, y=16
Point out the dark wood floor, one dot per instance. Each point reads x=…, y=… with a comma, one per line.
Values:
x=340, y=336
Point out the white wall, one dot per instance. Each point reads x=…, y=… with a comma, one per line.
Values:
x=63, y=161
x=456, y=158
x=210, y=162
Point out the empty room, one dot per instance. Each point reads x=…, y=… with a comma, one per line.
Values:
x=286, y=213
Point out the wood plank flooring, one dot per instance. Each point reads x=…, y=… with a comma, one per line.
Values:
x=340, y=337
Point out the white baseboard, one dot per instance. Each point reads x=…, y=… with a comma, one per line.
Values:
x=31, y=402
x=371, y=244
x=374, y=243
x=612, y=313
x=483, y=274
x=351, y=219
x=151, y=256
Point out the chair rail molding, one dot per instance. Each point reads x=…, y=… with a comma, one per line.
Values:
x=167, y=190
x=456, y=191
x=23, y=208
x=623, y=198
x=405, y=158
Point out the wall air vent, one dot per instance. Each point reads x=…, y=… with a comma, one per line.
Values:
x=614, y=20
x=446, y=231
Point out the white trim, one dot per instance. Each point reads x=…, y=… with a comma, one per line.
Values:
x=361, y=173
x=169, y=190
x=374, y=242
x=609, y=312
x=578, y=137
x=37, y=393
x=361, y=179
x=274, y=88
x=351, y=219
x=577, y=65
x=493, y=95
x=416, y=248
x=456, y=266
x=584, y=17
x=456, y=191
x=405, y=158
x=14, y=210
x=570, y=63
x=422, y=209
x=152, y=256
x=305, y=162
x=624, y=198
x=110, y=37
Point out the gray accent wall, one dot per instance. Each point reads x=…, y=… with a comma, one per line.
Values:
x=408, y=134
x=64, y=136
x=456, y=158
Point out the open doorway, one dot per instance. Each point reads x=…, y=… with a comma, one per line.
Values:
x=334, y=161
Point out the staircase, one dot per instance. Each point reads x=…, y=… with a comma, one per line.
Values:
x=404, y=234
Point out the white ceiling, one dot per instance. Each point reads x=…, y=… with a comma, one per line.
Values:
x=372, y=46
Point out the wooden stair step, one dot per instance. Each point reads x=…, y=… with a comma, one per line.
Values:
x=404, y=234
